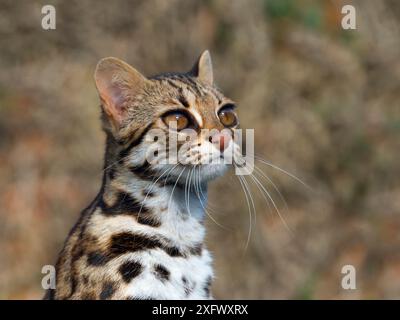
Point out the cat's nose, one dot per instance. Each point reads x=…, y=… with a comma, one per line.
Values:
x=221, y=140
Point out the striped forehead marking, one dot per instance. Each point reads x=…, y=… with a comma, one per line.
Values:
x=197, y=116
x=189, y=96
x=190, y=92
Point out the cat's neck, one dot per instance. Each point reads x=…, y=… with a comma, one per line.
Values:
x=166, y=209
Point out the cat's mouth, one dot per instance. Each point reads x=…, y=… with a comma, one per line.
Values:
x=188, y=173
x=193, y=166
x=199, y=163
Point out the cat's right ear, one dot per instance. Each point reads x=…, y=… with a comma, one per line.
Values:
x=117, y=83
x=203, y=69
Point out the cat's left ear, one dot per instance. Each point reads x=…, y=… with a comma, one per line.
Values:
x=202, y=69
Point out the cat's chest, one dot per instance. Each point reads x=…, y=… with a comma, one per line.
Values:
x=166, y=261
x=165, y=277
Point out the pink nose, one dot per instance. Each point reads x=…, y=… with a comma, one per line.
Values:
x=222, y=140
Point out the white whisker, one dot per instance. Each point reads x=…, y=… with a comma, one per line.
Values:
x=152, y=186
x=250, y=214
x=263, y=175
x=282, y=170
x=200, y=191
x=173, y=188
x=265, y=192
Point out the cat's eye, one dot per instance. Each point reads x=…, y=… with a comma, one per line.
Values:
x=227, y=116
x=179, y=118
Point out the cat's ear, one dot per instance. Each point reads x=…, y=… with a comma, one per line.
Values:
x=117, y=83
x=202, y=69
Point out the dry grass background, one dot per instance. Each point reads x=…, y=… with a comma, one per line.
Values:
x=324, y=104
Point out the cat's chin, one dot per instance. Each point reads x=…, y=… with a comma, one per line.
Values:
x=190, y=174
x=202, y=174
x=210, y=172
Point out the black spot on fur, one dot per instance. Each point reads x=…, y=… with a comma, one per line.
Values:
x=148, y=194
x=126, y=242
x=161, y=272
x=188, y=286
x=74, y=282
x=148, y=220
x=143, y=171
x=97, y=259
x=125, y=204
x=124, y=153
x=85, y=279
x=112, y=172
x=207, y=287
x=173, y=251
x=130, y=270
x=77, y=253
x=196, y=250
x=107, y=290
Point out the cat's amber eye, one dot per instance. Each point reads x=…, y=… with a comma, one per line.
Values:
x=179, y=118
x=227, y=116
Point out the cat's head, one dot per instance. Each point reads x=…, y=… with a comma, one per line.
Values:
x=168, y=124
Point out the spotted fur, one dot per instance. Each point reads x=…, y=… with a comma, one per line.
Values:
x=142, y=236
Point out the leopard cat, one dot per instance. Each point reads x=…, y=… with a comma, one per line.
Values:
x=142, y=237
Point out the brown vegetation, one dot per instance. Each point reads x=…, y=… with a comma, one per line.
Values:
x=324, y=103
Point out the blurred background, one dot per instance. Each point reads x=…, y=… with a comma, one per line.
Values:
x=324, y=103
